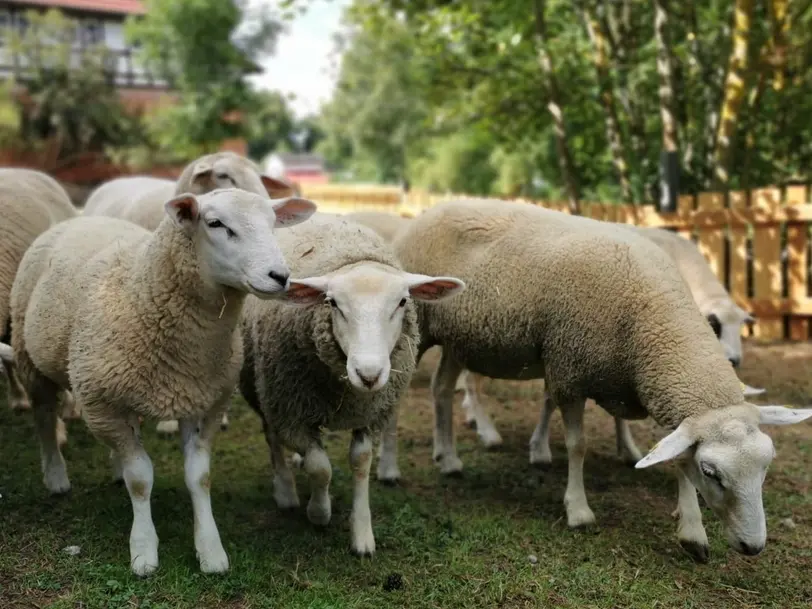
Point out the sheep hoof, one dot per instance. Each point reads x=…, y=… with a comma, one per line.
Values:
x=56, y=480
x=285, y=499
x=388, y=473
x=578, y=518
x=167, y=427
x=540, y=457
x=450, y=465
x=318, y=514
x=20, y=404
x=698, y=551
x=143, y=566
x=364, y=553
x=217, y=563
x=490, y=439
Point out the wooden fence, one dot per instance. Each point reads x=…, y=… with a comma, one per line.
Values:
x=757, y=242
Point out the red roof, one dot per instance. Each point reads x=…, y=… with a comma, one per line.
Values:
x=118, y=7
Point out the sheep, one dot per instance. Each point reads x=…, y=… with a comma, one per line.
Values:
x=341, y=363
x=386, y=224
x=218, y=170
x=723, y=314
x=30, y=203
x=147, y=324
x=598, y=313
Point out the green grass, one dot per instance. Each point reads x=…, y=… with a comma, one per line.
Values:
x=461, y=542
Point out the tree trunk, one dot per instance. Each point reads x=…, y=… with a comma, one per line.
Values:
x=566, y=164
x=607, y=98
x=734, y=94
x=669, y=159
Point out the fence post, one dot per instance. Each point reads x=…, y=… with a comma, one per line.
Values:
x=797, y=265
x=767, y=264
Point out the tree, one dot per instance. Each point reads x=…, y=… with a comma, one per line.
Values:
x=201, y=47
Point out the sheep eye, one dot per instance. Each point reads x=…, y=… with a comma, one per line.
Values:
x=224, y=176
x=710, y=472
x=215, y=224
x=402, y=302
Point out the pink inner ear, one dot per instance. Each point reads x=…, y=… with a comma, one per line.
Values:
x=186, y=208
x=299, y=292
x=293, y=209
x=433, y=289
x=277, y=189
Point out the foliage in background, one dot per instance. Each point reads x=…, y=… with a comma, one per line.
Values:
x=424, y=82
x=204, y=48
x=60, y=79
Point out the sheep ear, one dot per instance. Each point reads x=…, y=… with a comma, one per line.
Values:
x=201, y=170
x=184, y=210
x=749, y=391
x=670, y=447
x=276, y=188
x=424, y=287
x=306, y=291
x=781, y=415
x=293, y=210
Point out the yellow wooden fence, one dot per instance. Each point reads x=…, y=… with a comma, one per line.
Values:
x=757, y=242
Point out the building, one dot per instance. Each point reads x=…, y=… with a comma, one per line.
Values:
x=294, y=167
x=99, y=22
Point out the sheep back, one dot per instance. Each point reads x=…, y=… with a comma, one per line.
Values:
x=599, y=313
x=386, y=224
x=296, y=365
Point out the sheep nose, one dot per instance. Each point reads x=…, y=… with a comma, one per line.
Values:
x=368, y=376
x=751, y=550
x=735, y=361
x=280, y=278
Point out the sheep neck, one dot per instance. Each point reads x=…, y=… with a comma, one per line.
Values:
x=167, y=271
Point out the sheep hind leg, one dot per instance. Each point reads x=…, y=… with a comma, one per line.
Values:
x=626, y=448
x=485, y=429
x=540, y=440
x=123, y=436
x=578, y=512
x=320, y=472
x=388, y=470
x=363, y=540
x=690, y=531
x=284, y=483
x=196, y=438
x=442, y=388
x=45, y=405
x=17, y=397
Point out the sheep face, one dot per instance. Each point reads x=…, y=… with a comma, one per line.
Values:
x=233, y=234
x=727, y=320
x=368, y=303
x=229, y=170
x=725, y=456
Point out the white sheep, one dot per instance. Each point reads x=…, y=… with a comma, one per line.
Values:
x=342, y=363
x=30, y=203
x=598, y=313
x=725, y=317
x=147, y=324
x=140, y=199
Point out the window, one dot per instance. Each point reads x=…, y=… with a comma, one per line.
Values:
x=91, y=32
x=5, y=24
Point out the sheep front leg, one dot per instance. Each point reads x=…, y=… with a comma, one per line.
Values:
x=320, y=472
x=363, y=540
x=626, y=448
x=578, y=512
x=485, y=429
x=196, y=437
x=690, y=532
x=388, y=470
x=540, y=440
x=442, y=387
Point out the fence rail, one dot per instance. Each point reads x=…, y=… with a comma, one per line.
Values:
x=757, y=242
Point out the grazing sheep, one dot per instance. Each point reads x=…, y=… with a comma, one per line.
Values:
x=725, y=317
x=147, y=324
x=342, y=363
x=598, y=313
x=30, y=203
x=218, y=170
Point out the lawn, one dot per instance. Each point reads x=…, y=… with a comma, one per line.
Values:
x=458, y=542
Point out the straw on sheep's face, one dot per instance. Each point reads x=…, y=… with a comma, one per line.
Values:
x=367, y=306
x=725, y=456
x=233, y=233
